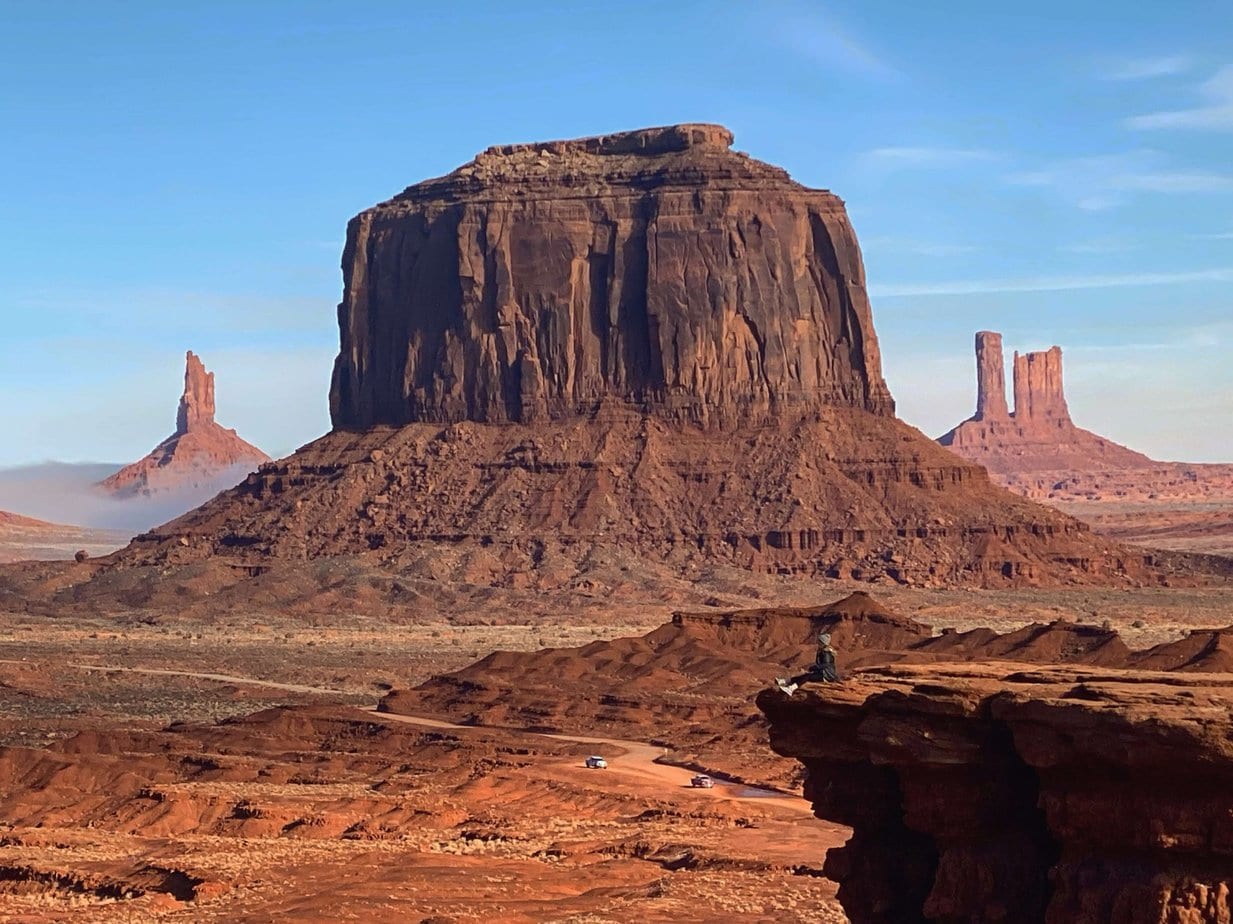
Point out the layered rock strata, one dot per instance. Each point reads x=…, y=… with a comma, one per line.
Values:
x=656, y=268
x=565, y=357
x=1015, y=794
x=198, y=453
x=1039, y=434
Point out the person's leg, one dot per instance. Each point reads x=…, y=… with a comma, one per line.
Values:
x=790, y=685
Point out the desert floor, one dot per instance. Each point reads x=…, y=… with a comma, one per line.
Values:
x=155, y=768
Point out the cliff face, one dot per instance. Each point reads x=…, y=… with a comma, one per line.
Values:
x=1039, y=401
x=990, y=377
x=992, y=793
x=657, y=269
x=1039, y=436
x=199, y=453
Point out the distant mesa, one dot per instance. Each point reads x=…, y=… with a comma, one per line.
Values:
x=198, y=453
x=1039, y=434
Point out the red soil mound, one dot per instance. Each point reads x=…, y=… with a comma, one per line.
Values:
x=1208, y=650
x=685, y=680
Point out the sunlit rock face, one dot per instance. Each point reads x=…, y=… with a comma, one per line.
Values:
x=654, y=268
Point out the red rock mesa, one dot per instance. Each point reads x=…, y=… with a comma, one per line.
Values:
x=200, y=451
x=641, y=347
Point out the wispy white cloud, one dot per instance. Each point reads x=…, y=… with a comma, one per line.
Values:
x=926, y=158
x=910, y=245
x=1105, y=181
x=1184, y=181
x=1050, y=283
x=1218, y=236
x=1100, y=245
x=820, y=37
x=1146, y=68
x=1215, y=114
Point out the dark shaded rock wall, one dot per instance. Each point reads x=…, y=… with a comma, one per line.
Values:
x=655, y=268
x=986, y=793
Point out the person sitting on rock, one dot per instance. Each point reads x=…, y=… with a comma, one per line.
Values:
x=822, y=671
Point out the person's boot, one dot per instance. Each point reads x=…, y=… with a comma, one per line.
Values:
x=785, y=685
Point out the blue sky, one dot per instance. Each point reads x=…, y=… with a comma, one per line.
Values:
x=179, y=175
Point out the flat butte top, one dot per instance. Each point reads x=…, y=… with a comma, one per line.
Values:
x=693, y=155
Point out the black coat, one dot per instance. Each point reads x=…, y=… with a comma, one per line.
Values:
x=824, y=663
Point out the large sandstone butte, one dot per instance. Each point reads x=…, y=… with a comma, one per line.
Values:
x=1003, y=792
x=198, y=453
x=657, y=269
x=590, y=357
x=1039, y=434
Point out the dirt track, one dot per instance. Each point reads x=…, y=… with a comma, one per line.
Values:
x=637, y=758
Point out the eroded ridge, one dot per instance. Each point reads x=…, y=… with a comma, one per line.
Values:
x=1007, y=793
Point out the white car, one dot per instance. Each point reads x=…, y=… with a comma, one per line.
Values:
x=595, y=762
x=701, y=781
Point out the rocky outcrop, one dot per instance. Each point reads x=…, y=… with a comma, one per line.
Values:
x=196, y=409
x=199, y=454
x=656, y=269
x=1011, y=794
x=1039, y=401
x=1039, y=434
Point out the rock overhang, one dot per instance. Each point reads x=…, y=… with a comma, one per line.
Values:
x=1020, y=793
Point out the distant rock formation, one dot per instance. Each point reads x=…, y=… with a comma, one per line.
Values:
x=1039, y=434
x=1039, y=401
x=1039, y=453
x=198, y=454
x=990, y=378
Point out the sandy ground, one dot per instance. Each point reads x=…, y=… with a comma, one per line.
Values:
x=344, y=821
x=141, y=780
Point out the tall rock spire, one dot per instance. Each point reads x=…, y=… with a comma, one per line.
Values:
x=1038, y=388
x=200, y=454
x=990, y=377
x=1039, y=435
x=197, y=403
